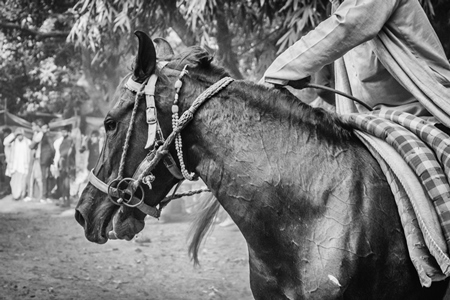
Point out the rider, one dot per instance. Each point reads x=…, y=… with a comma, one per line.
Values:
x=386, y=54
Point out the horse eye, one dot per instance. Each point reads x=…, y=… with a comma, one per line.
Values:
x=110, y=125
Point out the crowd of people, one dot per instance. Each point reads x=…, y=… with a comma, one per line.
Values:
x=43, y=167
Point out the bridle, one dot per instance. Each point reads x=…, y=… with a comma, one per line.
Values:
x=122, y=191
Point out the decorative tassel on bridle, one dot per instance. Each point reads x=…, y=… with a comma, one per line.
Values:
x=175, y=122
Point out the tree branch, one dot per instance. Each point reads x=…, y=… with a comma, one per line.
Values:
x=224, y=42
x=39, y=35
x=178, y=23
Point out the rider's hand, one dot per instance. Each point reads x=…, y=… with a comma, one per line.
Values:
x=300, y=84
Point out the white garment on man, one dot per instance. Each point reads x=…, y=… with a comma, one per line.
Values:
x=20, y=155
x=20, y=163
x=7, y=146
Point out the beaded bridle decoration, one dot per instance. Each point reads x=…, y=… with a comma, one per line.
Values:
x=175, y=121
x=121, y=187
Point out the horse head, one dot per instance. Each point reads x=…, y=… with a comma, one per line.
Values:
x=134, y=172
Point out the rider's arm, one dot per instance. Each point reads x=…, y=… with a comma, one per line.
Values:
x=354, y=22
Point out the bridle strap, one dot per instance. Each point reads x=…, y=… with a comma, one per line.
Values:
x=151, y=113
x=100, y=185
x=169, y=162
x=171, y=165
x=133, y=85
x=151, y=110
x=149, y=91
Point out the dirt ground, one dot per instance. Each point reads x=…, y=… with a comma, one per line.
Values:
x=44, y=255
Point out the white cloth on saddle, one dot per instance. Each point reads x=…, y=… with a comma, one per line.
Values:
x=417, y=214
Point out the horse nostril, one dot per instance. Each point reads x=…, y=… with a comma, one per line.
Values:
x=79, y=217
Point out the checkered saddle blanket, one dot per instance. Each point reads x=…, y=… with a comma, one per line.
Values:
x=415, y=157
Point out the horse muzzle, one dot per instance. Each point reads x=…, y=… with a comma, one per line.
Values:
x=125, y=192
x=103, y=220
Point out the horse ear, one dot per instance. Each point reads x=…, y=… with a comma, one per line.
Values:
x=146, y=58
x=163, y=48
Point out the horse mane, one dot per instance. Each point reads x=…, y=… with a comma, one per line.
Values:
x=325, y=125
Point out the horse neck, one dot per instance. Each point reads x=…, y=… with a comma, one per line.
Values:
x=245, y=148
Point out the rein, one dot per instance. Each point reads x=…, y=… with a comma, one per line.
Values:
x=322, y=87
x=124, y=189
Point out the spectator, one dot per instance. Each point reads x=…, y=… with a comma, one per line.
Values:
x=56, y=192
x=65, y=164
x=35, y=169
x=47, y=154
x=8, y=136
x=92, y=144
x=19, y=163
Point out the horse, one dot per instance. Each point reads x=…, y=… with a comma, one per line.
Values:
x=313, y=205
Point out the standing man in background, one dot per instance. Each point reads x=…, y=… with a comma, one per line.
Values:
x=92, y=144
x=35, y=166
x=19, y=163
x=47, y=154
x=66, y=164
